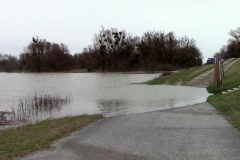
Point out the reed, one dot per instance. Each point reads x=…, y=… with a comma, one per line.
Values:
x=37, y=106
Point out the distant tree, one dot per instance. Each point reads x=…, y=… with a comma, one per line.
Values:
x=88, y=59
x=232, y=49
x=156, y=49
x=149, y=50
x=114, y=48
x=187, y=54
x=41, y=55
x=171, y=45
x=235, y=35
x=130, y=55
x=8, y=63
x=223, y=51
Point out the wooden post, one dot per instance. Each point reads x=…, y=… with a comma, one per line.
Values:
x=222, y=59
x=218, y=72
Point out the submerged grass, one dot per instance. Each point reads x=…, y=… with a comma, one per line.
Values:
x=182, y=76
x=31, y=108
x=17, y=142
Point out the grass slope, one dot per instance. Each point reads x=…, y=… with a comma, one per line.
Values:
x=181, y=76
x=231, y=80
x=228, y=104
x=15, y=142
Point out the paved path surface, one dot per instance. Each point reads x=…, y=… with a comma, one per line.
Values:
x=196, y=132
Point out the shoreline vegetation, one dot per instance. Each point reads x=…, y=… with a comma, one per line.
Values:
x=17, y=142
x=30, y=108
x=23, y=140
x=226, y=104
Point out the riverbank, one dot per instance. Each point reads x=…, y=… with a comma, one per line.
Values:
x=226, y=104
x=181, y=77
x=16, y=142
x=191, y=132
x=201, y=76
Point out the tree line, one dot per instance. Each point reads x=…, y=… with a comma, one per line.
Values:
x=232, y=48
x=112, y=50
x=115, y=50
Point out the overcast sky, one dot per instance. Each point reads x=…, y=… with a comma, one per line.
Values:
x=74, y=22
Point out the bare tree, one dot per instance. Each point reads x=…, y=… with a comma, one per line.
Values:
x=235, y=35
x=41, y=55
x=111, y=44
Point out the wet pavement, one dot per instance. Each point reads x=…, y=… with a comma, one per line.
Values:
x=193, y=132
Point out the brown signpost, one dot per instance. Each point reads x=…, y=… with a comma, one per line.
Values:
x=218, y=71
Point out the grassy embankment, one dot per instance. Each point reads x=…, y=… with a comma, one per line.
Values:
x=181, y=77
x=15, y=142
x=228, y=104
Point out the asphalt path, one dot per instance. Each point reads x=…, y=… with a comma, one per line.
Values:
x=195, y=132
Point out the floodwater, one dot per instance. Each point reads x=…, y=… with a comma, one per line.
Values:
x=106, y=93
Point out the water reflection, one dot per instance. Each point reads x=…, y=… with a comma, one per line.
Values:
x=112, y=106
x=144, y=98
x=93, y=93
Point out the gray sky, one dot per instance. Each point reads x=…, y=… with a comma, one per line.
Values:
x=74, y=22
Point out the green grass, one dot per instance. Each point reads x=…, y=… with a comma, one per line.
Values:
x=17, y=142
x=181, y=76
x=228, y=104
x=231, y=80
